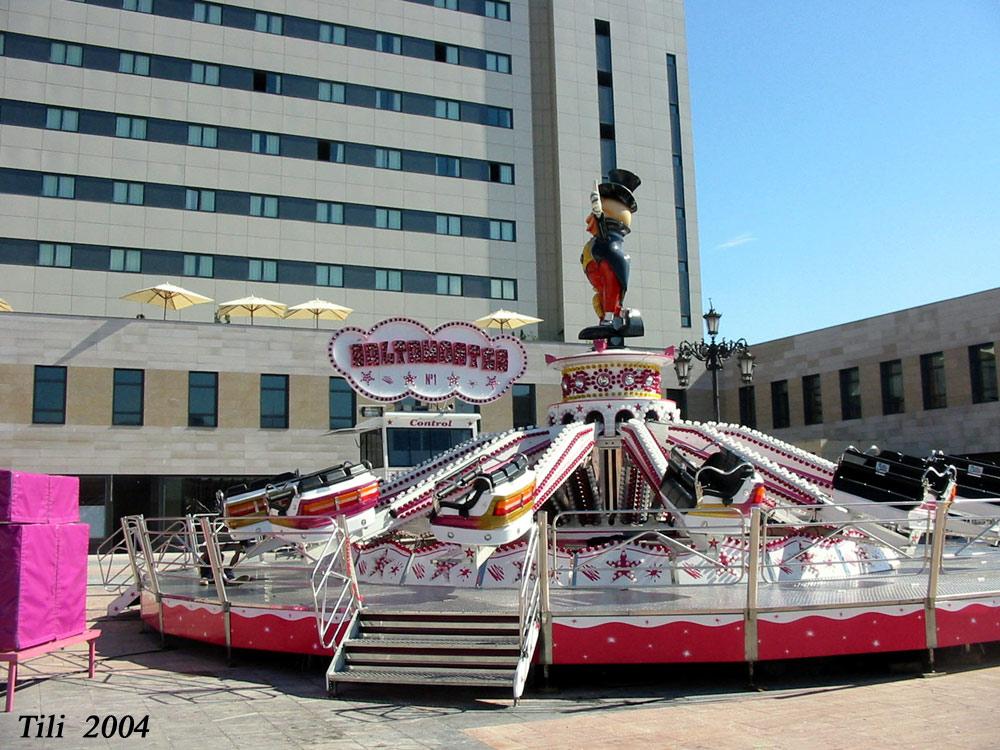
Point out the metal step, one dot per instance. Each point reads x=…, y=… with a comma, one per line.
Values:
x=394, y=658
x=500, y=678
x=436, y=641
x=439, y=626
x=376, y=613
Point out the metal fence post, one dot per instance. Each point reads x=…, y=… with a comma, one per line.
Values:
x=750, y=645
x=349, y=560
x=939, y=533
x=218, y=576
x=543, y=582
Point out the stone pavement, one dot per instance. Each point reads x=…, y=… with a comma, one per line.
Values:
x=196, y=701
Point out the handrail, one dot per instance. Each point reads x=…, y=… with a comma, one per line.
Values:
x=348, y=599
x=115, y=575
x=528, y=609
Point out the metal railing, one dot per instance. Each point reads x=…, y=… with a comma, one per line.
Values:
x=528, y=608
x=336, y=609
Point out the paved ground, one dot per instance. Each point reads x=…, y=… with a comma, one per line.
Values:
x=196, y=701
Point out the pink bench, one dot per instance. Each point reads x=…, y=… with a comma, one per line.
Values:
x=13, y=658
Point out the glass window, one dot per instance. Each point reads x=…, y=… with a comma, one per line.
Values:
x=330, y=213
x=388, y=43
x=329, y=275
x=447, y=109
x=199, y=265
x=779, y=404
x=128, y=397
x=609, y=156
x=263, y=270
x=66, y=54
x=332, y=34
x=203, y=399
x=603, y=30
x=502, y=289
x=128, y=261
x=62, y=119
x=269, y=83
x=331, y=92
x=497, y=9
x=58, y=186
x=53, y=254
x=497, y=63
x=264, y=205
x=932, y=380
x=387, y=100
x=748, y=406
x=447, y=4
x=130, y=62
x=274, y=402
x=449, y=284
x=891, y=374
x=49, y=403
x=199, y=200
x=850, y=393
x=388, y=158
x=343, y=407
x=130, y=127
x=266, y=143
x=207, y=13
x=449, y=225
x=499, y=117
x=502, y=230
x=203, y=135
x=446, y=53
x=447, y=166
x=523, y=404
x=502, y=173
x=812, y=399
x=128, y=192
x=205, y=73
x=330, y=151
x=408, y=447
x=269, y=23
x=142, y=6
x=605, y=105
x=983, y=372
x=388, y=280
x=388, y=218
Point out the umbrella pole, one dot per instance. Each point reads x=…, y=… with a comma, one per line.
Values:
x=317, y=320
x=251, y=316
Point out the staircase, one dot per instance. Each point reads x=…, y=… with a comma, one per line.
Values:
x=443, y=648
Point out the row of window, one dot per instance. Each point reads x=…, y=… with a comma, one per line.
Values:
x=158, y=195
x=230, y=76
x=94, y=122
x=221, y=14
x=498, y=9
x=680, y=209
x=170, y=263
x=982, y=374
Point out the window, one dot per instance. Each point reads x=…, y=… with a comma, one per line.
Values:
x=389, y=281
x=449, y=225
x=59, y=256
x=130, y=127
x=499, y=117
x=330, y=151
x=128, y=192
x=932, y=380
x=342, y=404
x=329, y=275
x=447, y=166
x=203, y=135
x=128, y=261
x=502, y=173
x=269, y=23
x=779, y=404
x=264, y=205
x=850, y=393
x=502, y=230
x=680, y=398
x=449, y=284
x=388, y=158
x=387, y=100
x=274, y=402
x=331, y=92
x=388, y=43
x=891, y=374
x=447, y=4
x=205, y=73
x=199, y=200
x=748, y=406
x=332, y=34
x=503, y=289
x=464, y=407
x=207, y=13
x=129, y=62
x=446, y=53
x=269, y=83
x=523, y=404
x=983, y=372
x=263, y=270
x=388, y=218
x=266, y=143
x=66, y=54
x=497, y=63
x=49, y=403
x=62, y=119
x=142, y=6
x=203, y=399
x=812, y=399
x=58, y=186
x=447, y=109
x=199, y=265
x=330, y=213
x=497, y=9
x=127, y=399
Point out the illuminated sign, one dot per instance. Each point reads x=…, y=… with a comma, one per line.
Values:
x=400, y=357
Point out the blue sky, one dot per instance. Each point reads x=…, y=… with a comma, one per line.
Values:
x=847, y=157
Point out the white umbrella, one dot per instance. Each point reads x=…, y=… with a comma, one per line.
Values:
x=167, y=296
x=505, y=319
x=5, y=307
x=253, y=306
x=319, y=308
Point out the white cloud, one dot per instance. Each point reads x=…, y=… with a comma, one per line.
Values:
x=740, y=239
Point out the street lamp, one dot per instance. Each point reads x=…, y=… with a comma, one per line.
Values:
x=713, y=354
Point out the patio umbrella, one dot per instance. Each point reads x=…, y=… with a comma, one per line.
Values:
x=505, y=319
x=319, y=308
x=167, y=296
x=253, y=306
x=5, y=307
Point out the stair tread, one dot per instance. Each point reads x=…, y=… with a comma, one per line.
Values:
x=423, y=676
x=436, y=642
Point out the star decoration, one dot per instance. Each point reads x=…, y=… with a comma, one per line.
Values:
x=409, y=378
x=623, y=568
x=453, y=380
x=367, y=378
x=491, y=382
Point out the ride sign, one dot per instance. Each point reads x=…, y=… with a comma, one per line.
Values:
x=401, y=357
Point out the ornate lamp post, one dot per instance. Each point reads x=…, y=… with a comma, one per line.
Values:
x=713, y=354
